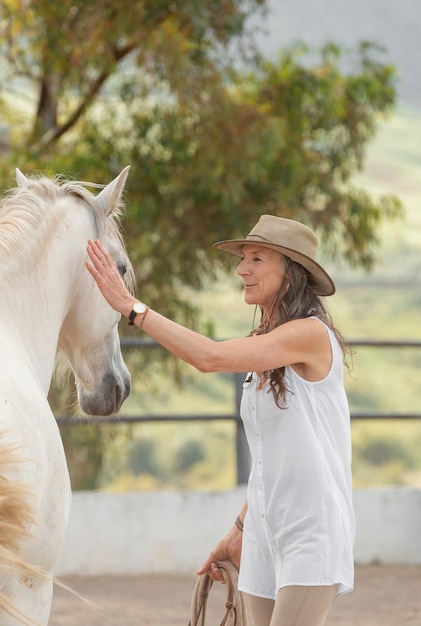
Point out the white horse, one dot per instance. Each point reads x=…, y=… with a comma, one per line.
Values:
x=49, y=303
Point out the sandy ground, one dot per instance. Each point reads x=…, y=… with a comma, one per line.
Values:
x=383, y=596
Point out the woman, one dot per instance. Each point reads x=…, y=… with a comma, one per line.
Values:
x=293, y=540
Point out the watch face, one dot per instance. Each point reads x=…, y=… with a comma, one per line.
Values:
x=139, y=307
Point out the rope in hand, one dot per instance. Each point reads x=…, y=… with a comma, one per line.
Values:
x=236, y=608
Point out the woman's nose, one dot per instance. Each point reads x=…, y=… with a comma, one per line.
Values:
x=241, y=268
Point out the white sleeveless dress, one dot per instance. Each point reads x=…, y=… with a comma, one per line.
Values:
x=299, y=528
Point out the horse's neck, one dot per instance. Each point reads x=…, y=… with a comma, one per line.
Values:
x=34, y=305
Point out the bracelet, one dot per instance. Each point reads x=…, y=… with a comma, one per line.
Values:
x=239, y=524
x=143, y=318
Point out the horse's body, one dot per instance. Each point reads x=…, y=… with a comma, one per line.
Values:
x=49, y=302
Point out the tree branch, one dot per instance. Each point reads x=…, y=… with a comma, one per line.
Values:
x=55, y=133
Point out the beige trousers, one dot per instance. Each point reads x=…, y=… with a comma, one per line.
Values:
x=294, y=606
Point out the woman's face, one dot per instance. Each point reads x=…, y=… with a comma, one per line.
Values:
x=264, y=276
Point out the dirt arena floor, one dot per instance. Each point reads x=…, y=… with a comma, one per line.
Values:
x=383, y=596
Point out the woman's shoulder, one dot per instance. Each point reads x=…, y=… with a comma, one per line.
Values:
x=310, y=324
x=315, y=354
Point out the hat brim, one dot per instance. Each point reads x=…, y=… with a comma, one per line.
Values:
x=322, y=282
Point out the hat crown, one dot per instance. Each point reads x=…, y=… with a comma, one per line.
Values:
x=285, y=233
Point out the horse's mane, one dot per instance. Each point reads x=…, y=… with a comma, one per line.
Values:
x=22, y=210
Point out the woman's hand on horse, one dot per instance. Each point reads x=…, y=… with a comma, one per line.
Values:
x=228, y=549
x=107, y=277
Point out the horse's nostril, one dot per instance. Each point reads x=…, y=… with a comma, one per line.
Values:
x=121, y=392
x=118, y=396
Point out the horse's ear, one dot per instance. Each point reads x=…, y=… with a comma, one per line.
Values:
x=21, y=179
x=109, y=197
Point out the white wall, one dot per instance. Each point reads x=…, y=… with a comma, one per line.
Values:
x=388, y=525
x=173, y=532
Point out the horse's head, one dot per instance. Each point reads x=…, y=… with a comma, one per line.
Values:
x=88, y=337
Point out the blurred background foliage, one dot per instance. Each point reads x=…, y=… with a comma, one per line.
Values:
x=215, y=135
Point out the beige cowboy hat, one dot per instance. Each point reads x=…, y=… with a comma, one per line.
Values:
x=290, y=238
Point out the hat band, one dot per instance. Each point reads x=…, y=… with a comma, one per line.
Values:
x=260, y=237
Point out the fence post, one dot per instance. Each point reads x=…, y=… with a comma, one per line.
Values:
x=242, y=451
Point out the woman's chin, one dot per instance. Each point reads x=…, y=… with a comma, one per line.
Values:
x=250, y=299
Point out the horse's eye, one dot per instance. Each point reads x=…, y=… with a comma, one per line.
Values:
x=122, y=269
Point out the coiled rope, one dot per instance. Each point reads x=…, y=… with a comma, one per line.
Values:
x=236, y=613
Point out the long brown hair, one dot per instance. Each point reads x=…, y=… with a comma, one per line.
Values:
x=298, y=302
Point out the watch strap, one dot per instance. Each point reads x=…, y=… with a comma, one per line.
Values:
x=132, y=317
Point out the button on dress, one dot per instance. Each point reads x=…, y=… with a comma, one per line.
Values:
x=299, y=528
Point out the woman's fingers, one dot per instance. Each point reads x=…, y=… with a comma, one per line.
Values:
x=210, y=567
x=216, y=574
